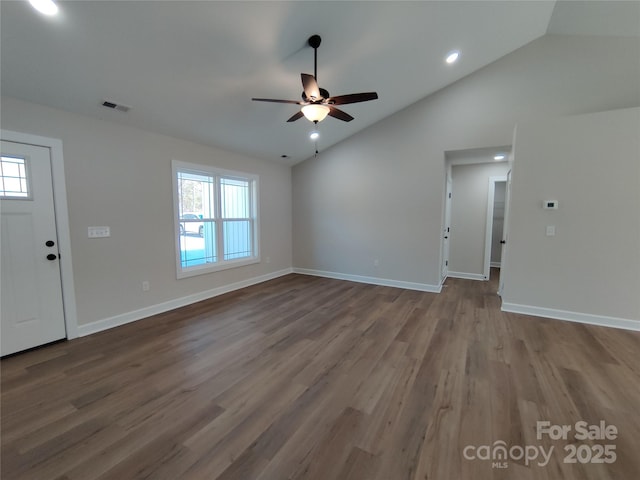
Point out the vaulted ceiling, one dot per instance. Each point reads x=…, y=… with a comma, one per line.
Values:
x=189, y=69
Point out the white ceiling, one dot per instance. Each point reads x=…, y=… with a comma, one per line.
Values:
x=189, y=69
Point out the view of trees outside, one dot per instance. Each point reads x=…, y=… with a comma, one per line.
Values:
x=190, y=193
x=195, y=194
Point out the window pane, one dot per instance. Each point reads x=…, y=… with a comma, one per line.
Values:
x=13, y=178
x=197, y=248
x=12, y=185
x=10, y=168
x=235, y=198
x=195, y=196
x=237, y=239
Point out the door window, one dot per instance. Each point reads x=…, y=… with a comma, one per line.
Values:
x=14, y=182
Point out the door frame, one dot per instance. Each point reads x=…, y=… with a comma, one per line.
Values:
x=489, y=226
x=62, y=220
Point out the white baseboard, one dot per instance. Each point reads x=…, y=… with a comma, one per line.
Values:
x=145, y=312
x=587, y=318
x=422, y=287
x=466, y=276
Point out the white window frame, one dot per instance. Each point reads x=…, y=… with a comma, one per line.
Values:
x=221, y=264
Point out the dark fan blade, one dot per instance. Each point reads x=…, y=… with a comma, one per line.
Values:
x=295, y=117
x=310, y=86
x=275, y=101
x=352, y=98
x=339, y=114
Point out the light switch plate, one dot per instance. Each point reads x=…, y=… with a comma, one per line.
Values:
x=99, y=232
x=551, y=230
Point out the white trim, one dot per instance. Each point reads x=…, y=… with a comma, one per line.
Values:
x=422, y=287
x=124, y=318
x=578, y=317
x=496, y=264
x=467, y=276
x=62, y=221
x=473, y=156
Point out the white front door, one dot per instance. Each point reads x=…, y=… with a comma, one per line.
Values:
x=31, y=288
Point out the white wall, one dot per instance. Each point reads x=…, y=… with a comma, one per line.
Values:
x=380, y=193
x=470, y=187
x=591, y=165
x=121, y=177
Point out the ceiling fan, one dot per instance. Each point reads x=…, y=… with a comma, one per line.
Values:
x=316, y=102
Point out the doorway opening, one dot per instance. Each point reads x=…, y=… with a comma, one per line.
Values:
x=468, y=218
x=494, y=229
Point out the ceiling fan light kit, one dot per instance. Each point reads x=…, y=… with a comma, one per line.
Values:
x=315, y=112
x=316, y=102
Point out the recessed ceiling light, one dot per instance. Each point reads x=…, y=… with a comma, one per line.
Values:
x=314, y=135
x=452, y=56
x=46, y=7
x=499, y=156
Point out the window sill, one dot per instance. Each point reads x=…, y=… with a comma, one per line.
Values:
x=216, y=267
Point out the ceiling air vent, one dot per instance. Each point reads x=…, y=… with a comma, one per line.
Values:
x=115, y=106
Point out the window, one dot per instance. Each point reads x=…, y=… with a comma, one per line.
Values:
x=13, y=178
x=216, y=218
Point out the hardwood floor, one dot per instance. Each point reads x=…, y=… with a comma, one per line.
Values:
x=312, y=378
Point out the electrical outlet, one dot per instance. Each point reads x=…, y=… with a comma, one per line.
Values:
x=145, y=286
x=268, y=259
x=376, y=263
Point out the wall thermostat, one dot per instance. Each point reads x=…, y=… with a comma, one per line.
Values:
x=550, y=205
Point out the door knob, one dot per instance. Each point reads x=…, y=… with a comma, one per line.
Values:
x=49, y=243
x=51, y=257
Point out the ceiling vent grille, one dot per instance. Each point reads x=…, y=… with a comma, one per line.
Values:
x=115, y=106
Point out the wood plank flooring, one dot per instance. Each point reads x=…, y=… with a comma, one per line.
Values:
x=312, y=378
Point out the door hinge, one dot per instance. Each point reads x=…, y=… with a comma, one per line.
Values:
x=449, y=194
x=446, y=263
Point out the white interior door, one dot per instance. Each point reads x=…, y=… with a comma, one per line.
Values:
x=447, y=228
x=505, y=230
x=31, y=288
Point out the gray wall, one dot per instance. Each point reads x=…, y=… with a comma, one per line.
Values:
x=121, y=177
x=380, y=193
x=470, y=187
x=591, y=165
